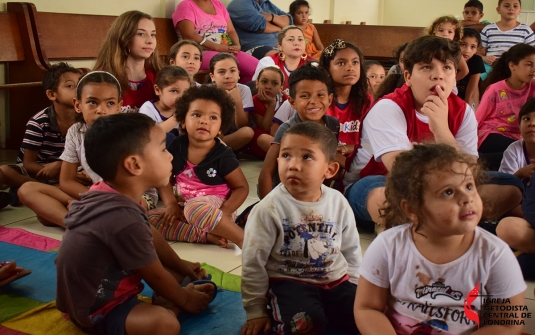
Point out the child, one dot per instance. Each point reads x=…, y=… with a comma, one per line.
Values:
x=300, y=10
x=448, y=262
x=422, y=110
x=497, y=113
x=311, y=94
x=345, y=64
x=188, y=55
x=291, y=45
x=398, y=68
x=225, y=74
x=301, y=253
x=519, y=157
x=44, y=138
x=375, y=73
x=473, y=13
x=210, y=186
x=449, y=27
x=109, y=247
x=468, y=87
x=129, y=53
x=497, y=38
x=97, y=94
x=171, y=83
x=266, y=102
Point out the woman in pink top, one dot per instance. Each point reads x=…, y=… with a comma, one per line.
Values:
x=497, y=114
x=208, y=23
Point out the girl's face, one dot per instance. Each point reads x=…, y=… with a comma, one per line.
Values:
x=269, y=82
x=345, y=67
x=451, y=205
x=527, y=127
x=301, y=15
x=188, y=57
x=169, y=94
x=293, y=43
x=203, y=120
x=524, y=71
x=226, y=74
x=98, y=99
x=143, y=43
x=375, y=74
x=446, y=30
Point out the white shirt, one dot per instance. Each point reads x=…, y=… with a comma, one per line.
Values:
x=74, y=151
x=284, y=113
x=513, y=158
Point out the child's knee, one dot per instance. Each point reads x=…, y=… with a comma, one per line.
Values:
x=201, y=214
x=165, y=322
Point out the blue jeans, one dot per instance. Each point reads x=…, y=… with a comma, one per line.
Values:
x=357, y=194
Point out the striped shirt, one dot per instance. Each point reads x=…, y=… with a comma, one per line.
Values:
x=497, y=42
x=43, y=135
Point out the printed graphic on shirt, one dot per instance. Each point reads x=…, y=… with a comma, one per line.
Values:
x=301, y=323
x=350, y=126
x=308, y=250
x=215, y=33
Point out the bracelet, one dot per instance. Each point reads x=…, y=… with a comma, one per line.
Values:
x=272, y=18
x=203, y=40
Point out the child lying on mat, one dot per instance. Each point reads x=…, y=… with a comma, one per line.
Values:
x=109, y=245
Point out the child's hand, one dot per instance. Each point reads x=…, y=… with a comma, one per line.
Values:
x=198, y=297
x=255, y=326
x=436, y=109
x=83, y=178
x=192, y=270
x=235, y=94
x=49, y=171
x=169, y=216
x=489, y=59
x=526, y=171
x=268, y=99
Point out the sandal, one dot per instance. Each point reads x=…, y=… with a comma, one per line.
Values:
x=205, y=280
x=15, y=274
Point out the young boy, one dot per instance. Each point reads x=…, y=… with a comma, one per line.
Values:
x=44, y=138
x=468, y=87
x=109, y=245
x=301, y=252
x=311, y=95
x=496, y=38
x=423, y=110
x=473, y=13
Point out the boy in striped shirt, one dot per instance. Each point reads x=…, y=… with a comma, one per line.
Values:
x=44, y=138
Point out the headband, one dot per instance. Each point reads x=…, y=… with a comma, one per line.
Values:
x=103, y=72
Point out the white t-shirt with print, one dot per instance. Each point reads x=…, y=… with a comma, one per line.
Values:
x=513, y=158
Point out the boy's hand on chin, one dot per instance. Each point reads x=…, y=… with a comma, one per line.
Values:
x=436, y=109
x=255, y=326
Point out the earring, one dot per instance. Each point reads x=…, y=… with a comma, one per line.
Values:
x=304, y=56
x=282, y=56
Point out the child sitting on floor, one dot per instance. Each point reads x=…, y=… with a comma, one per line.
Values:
x=301, y=253
x=188, y=55
x=311, y=94
x=210, y=186
x=44, y=138
x=448, y=262
x=109, y=246
x=468, y=86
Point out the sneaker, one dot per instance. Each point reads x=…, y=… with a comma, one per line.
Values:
x=5, y=199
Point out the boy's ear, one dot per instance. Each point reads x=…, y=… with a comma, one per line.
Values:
x=332, y=169
x=291, y=101
x=407, y=77
x=132, y=164
x=481, y=15
x=409, y=211
x=51, y=95
x=331, y=97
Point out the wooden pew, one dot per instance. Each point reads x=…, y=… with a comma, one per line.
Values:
x=376, y=42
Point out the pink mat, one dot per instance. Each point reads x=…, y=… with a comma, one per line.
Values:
x=26, y=239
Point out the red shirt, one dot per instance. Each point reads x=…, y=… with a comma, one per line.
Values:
x=134, y=99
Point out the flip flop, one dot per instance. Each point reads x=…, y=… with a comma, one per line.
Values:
x=13, y=277
x=206, y=280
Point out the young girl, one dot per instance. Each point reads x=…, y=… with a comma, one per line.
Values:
x=129, y=53
x=210, y=185
x=171, y=82
x=300, y=10
x=225, y=74
x=375, y=73
x=449, y=27
x=345, y=64
x=266, y=102
x=188, y=55
x=291, y=44
x=450, y=266
x=497, y=113
x=399, y=68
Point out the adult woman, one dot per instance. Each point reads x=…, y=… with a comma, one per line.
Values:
x=208, y=23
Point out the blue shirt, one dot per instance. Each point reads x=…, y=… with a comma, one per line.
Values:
x=250, y=23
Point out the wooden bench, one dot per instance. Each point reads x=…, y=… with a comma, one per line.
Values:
x=376, y=42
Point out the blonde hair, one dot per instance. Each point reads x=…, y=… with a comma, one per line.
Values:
x=114, y=51
x=447, y=19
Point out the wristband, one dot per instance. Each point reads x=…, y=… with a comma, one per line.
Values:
x=272, y=18
x=203, y=40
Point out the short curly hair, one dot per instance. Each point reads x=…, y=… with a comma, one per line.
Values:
x=408, y=178
x=309, y=71
x=208, y=93
x=54, y=73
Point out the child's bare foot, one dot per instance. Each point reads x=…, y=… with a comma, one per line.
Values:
x=218, y=240
x=9, y=272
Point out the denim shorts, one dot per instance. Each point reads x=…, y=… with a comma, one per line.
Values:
x=114, y=322
x=357, y=194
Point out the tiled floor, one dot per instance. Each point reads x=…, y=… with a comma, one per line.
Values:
x=228, y=260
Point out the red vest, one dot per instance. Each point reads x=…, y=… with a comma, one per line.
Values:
x=417, y=131
x=280, y=63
